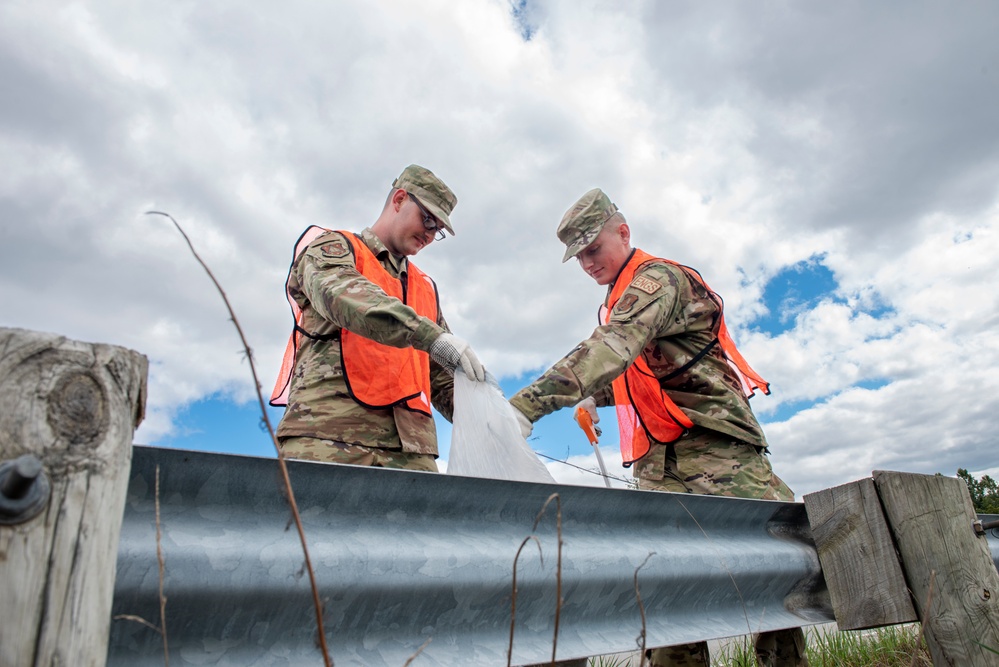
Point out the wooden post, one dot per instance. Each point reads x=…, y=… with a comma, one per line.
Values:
x=72, y=407
x=949, y=569
x=865, y=580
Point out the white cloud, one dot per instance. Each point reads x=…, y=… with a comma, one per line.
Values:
x=738, y=141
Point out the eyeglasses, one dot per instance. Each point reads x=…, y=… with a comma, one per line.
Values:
x=429, y=221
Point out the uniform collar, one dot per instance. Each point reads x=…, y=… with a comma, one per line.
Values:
x=379, y=250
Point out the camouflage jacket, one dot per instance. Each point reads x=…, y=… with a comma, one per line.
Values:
x=668, y=326
x=333, y=295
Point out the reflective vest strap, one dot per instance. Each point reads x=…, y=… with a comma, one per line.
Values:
x=282, y=386
x=381, y=376
x=643, y=408
x=750, y=379
x=634, y=441
x=421, y=296
x=658, y=413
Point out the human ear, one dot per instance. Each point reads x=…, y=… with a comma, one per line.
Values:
x=399, y=198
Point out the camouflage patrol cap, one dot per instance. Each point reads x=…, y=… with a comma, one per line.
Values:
x=584, y=221
x=430, y=190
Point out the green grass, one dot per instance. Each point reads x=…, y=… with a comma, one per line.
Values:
x=737, y=654
x=892, y=646
x=609, y=661
x=882, y=647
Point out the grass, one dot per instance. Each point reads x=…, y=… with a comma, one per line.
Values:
x=883, y=647
x=609, y=661
x=893, y=646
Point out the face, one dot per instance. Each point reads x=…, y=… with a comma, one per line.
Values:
x=409, y=234
x=606, y=256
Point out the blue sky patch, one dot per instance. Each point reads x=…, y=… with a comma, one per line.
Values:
x=873, y=384
x=790, y=408
x=793, y=290
x=217, y=424
x=786, y=410
x=521, y=14
x=879, y=309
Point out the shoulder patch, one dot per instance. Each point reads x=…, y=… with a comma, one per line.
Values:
x=647, y=285
x=335, y=249
x=626, y=303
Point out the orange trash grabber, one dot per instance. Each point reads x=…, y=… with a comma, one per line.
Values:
x=592, y=431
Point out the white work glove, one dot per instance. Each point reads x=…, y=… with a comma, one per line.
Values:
x=526, y=427
x=590, y=405
x=450, y=351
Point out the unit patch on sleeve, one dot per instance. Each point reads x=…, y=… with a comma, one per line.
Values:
x=626, y=303
x=647, y=285
x=335, y=249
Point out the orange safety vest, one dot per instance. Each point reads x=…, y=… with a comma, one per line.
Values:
x=643, y=407
x=377, y=375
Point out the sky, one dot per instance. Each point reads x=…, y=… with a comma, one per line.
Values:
x=831, y=169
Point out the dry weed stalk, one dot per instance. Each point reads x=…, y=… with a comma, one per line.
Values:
x=640, y=640
x=137, y=619
x=628, y=482
x=162, y=570
x=558, y=574
x=728, y=570
x=411, y=658
x=513, y=596
x=280, y=456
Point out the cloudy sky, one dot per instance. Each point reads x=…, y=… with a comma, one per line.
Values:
x=832, y=169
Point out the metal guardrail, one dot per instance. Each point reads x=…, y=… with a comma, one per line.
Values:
x=992, y=535
x=404, y=558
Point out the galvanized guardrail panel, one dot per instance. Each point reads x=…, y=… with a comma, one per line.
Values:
x=404, y=557
x=992, y=535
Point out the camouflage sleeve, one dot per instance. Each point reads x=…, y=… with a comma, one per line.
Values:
x=339, y=293
x=604, y=397
x=644, y=310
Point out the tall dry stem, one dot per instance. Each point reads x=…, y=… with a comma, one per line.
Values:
x=162, y=571
x=641, y=609
x=280, y=456
x=558, y=574
x=411, y=658
x=558, y=565
x=724, y=564
x=161, y=628
x=513, y=594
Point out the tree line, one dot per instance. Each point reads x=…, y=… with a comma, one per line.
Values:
x=984, y=492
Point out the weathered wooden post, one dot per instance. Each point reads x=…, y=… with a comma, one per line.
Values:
x=901, y=547
x=865, y=580
x=68, y=411
x=949, y=569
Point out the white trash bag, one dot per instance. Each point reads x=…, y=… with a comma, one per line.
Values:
x=486, y=439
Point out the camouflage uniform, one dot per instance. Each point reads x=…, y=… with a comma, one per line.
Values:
x=668, y=318
x=322, y=422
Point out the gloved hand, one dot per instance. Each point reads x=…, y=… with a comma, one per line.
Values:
x=450, y=351
x=590, y=406
x=526, y=426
